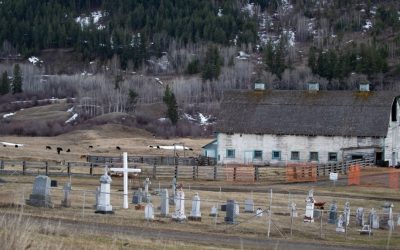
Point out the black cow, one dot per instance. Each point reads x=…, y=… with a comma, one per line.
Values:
x=118, y=147
x=90, y=146
x=68, y=150
x=48, y=148
x=16, y=145
x=59, y=150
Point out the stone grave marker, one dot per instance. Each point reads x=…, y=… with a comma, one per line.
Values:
x=149, y=211
x=386, y=221
x=340, y=224
x=373, y=219
x=293, y=210
x=347, y=213
x=40, y=196
x=172, y=199
x=332, y=215
x=179, y=213
x=230, y=217
x=360, y=216
x=309, y=216
x=214, y=211
x=259, y=212
x=103, y=205
x=137, y=197
x=66, y=202
x=146, y=194
x=249, y=206
x=164, y=203
x=237, y=209
x=195, y=214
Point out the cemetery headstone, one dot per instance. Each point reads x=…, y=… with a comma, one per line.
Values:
x=195, y=214
x=386, y=221
x=137, y=197
x=164, y=203
x=347, y=213
x=259, y=212
x=179, y=213
x=249, y=206
x=40, y=196
x=360, y=216
x=373, y=219
x=214, y=211
x=332, y=216
x=237, y=209
x=293, y=210
x=340, y=224
x=149, y=211
x=66, y=202
x=230, y=212
x=172, y=200
x=309, y=216
x=146, y=194
x=103, y=205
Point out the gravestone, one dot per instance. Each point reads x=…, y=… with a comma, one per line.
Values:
x=386, y=221
x=149, y=211
x=347, y=213
x=259, y=212
x=164, y=203
x=66, y=202
x=340, y=224
x=249, y=206
x=230, y=217
x=146, y=194
x=309, y=216
x=214, y=211
x=373, y=219
x=103, y=205
x=332, y=216
x=237, y=209
x=40, y=196
x=360, y=217
x=195, y=214
x=172, y=199
x=293, y=210
x=137, y=197
x=179, y=213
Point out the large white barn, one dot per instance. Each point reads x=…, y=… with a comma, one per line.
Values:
x=278, y=127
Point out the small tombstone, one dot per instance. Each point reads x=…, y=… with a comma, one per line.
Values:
x=66, y=202
x=293, y=210
x=237, y=209
x=249, y=206
x=332, y=216
x=309, y=216
x=40, y=196
x=146, y=197
x=179, y=213
x=347, y=213
x=386, y=222
x=259, y=212
x=360, y=216
x=149, y=211
x=230, y=212
x=103, y=205
x=172, y=199
x=195, y=214
x=340, y=224
x=214, y=211
x=373, y=219
x=164, y=203
x=137, y=196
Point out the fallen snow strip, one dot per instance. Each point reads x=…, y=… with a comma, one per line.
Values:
x=176, y=147
x=11, y=144
x=8, y=115
x=73, y=118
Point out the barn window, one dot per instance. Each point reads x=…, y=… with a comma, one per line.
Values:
x=394, y=111
x=313, y=156
x=332, y=156
x=276, y=155
x=295, y=155
x=258, y=154
x=230, y=153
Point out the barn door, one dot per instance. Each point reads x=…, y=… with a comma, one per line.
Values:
x=248, y=157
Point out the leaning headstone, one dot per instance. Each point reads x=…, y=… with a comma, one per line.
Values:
x=249, y=206
x=164, y=203
x=195, y=214
x=340, y=224
x=172, y=199
x=149, y=211
x=360, y=216
x=214, y=211
x=179, y=213
x=293, y=210
x=309, y=216
x=230, y=217
x=40, y=196
x=66, y=202
x=259, y=212
x=347, y=213
x=332, y=216
x=387, y=221
x=103, y=205
x=137, y=196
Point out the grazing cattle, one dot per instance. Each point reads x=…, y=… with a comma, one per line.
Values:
x=4, y=145
x=118, y=147
x=16, y=146
x=68, y=150
x=48, y=148
x=59, y=150
x=90, y=146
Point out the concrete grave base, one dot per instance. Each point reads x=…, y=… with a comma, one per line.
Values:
x=104, y=212
x=194, y=218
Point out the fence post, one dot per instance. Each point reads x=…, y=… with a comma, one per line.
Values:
x=68, y=169
x=234, y=174
x=91, y=169
x=256, y=173
x=47, y=168
x=194, y=172
x=154, y=170
x=1, y=164
x=176, y=171
x=215, y=172
x=23, y=167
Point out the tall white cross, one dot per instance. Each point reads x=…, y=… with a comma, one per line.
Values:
x=125, y=170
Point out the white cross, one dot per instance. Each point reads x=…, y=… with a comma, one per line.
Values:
x=125, y=170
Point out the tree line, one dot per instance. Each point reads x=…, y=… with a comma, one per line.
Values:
x=14, y=85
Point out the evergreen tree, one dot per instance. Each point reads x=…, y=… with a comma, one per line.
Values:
x=172, y=108
x=132, y=99
x=212, y=64
x=5, y=84
x=17, y=79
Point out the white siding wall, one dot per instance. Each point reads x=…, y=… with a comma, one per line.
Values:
x=392, y=140
x=242, y=143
